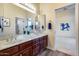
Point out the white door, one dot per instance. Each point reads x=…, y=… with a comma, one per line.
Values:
x=65, y=29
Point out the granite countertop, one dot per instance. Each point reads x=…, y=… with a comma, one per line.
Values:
x=20, y=39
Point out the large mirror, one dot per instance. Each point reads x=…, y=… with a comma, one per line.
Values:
x=40, y=23
x=37, y=25
x=29, y=25
x=24, y=26
x=20, y=25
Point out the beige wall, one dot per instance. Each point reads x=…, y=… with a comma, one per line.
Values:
x=1, y=9
x=48, y=10
x=37, y=6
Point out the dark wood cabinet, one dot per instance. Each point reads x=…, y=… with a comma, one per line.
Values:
x=36, y=46
x=27, y=52
x=30, y=48
x=25, y=45
x=41, y=44
x=36, y=51
x=9, y=51
x=17, y=54
x=45, y=41
x=26, y=48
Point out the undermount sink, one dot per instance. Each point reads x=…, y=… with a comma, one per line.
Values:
x=15, y=40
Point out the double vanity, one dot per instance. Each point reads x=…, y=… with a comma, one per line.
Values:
x=29, y=39
x=24, y=45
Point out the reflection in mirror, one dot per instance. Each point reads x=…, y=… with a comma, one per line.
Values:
x=19, y=25
x=37, y=25
x=40, y=23
x=1, y=25
x=29, y=25
x=24, y=26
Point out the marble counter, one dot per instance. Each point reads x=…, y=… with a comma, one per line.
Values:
x=19, y=39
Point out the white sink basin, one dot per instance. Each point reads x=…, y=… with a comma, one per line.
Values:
x=15, y=41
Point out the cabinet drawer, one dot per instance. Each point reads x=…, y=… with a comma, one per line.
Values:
x=25, y=45
x=9, y=51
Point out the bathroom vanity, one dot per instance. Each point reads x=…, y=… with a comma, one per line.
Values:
x=25, y=47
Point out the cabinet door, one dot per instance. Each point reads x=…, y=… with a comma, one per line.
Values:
x=45, y=38
x=27, y=52
x=41, y=44
x=25, y=45
x=9, y=51
x=36, y=46
x=36, y=49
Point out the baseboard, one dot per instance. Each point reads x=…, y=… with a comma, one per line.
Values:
x=50, y=48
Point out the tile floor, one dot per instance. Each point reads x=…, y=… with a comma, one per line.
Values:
x=49, y=52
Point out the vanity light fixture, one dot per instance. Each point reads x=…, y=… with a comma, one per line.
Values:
x=27, y=6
